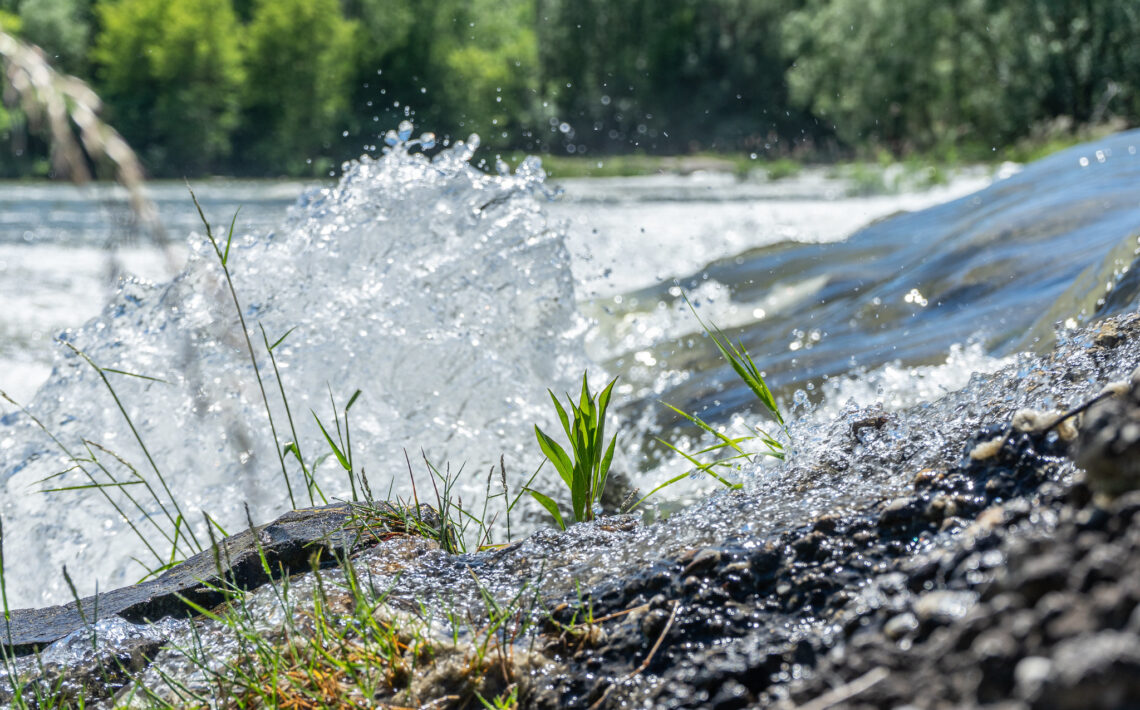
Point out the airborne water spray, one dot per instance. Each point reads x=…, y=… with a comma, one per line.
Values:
x=441, y=292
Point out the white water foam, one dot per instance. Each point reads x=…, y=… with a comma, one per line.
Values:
x=442, y=293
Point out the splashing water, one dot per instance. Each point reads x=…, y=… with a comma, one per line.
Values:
x=440, y=292
x=445, y=295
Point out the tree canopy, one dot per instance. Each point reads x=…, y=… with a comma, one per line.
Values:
x=293, y=87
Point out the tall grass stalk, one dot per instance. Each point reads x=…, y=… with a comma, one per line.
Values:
x=223, y=259
x=173, y=502
x=293, y=446
x=6, y=658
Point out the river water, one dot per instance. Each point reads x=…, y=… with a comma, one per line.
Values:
x=453, y=299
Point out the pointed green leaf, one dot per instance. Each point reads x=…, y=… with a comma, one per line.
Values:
x=134, y=374
x=604, y=470
x=584, y=401
x=707, y=427
x=670, y=482
x=230, y=237
x=87, y=486
x=579, y=494
x=557, y=456
x=705, y=467
x=281, y=339
x=561, y=413
x=604, y=399
x=335, y=449
x=549, y=504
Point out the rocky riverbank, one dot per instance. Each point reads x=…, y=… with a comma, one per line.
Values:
x=988, y=572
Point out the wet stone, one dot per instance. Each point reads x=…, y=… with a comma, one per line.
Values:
x=702, y=562
x=944, y=606
x=287, y=543
x=901, y=625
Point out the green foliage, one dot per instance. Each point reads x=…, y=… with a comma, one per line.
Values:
x=62, y=28
x=10, y=23
x=667, y=75
x=737, y=356
x=342, y=447
x=972, y=73
x=585, y=469
x=299, y=56
x=490, y=68
x=296, y=86
x=171, y=74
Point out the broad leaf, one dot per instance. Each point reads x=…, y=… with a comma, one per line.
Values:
x=557, y=456
x=549, y=504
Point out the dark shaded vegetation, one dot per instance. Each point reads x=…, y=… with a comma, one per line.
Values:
x=253, y=87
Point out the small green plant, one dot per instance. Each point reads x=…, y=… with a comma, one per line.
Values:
x=585, y=473
x=737, y=356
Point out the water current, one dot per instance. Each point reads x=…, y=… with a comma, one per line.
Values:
x=453, y=298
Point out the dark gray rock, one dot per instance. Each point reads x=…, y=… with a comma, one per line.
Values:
x=1109, y=445
x=291, y=544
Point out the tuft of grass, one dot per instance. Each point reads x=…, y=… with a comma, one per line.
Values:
x=170, y=507
x=737, y=356
x=745, y=368
x=344, y=645
x=584, y=473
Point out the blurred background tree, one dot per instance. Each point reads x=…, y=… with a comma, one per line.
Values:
x=293, y=87
x=173, y=77
x=299, y=58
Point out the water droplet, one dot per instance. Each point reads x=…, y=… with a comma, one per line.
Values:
x=405, y=130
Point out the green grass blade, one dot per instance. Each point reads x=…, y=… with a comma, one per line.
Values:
x=278, y=341
x=3, y=585
x=561, y=413
x=722, y=445
x=525, y=486
x=549, y=504
x=230, y=237
x=135, y=374
x=726, y=440
x=604, y=469
x=666, y=484
x=705, y=467
x=335, y=450
x=249, y=343
x=88, y=486
x=580, y=494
